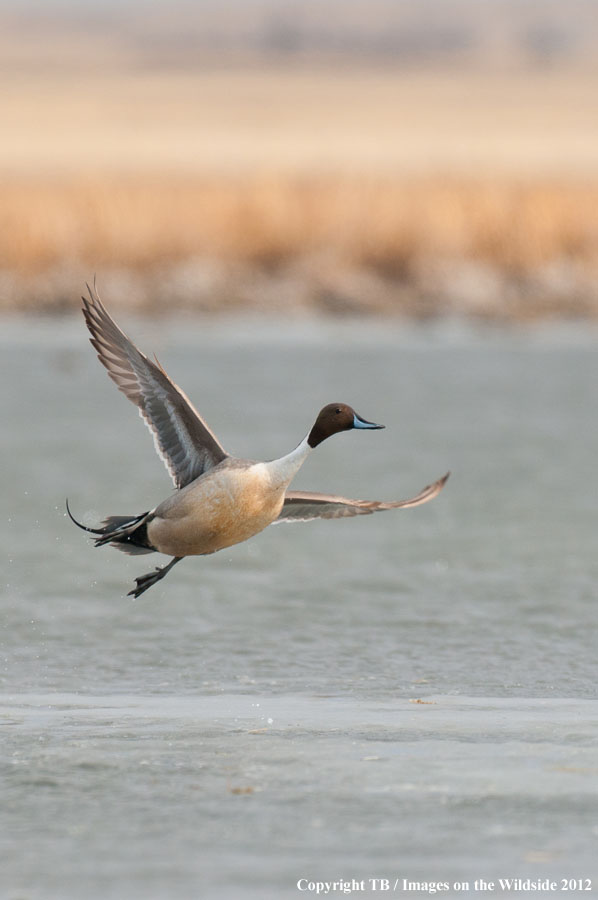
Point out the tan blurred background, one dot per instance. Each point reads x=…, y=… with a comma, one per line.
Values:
x=417, y=157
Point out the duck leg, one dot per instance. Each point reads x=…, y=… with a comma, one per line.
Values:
x=144, y=582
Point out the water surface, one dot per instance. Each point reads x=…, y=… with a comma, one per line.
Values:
x=249, y=721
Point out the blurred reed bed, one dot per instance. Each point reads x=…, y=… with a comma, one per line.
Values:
x=491, y=248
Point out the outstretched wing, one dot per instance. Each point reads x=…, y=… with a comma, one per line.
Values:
x=183, y=440
x=301, y=506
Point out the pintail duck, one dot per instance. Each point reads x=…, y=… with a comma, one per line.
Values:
x=220, y=500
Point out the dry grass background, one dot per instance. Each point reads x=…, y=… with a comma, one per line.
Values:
x=417, y=246
x=299, y=188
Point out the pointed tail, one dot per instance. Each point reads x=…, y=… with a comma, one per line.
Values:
x=127, y=533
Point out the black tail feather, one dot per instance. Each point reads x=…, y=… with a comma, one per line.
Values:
x=79, y=525
x=127, y=533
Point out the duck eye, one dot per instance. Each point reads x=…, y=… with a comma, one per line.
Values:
x=338, y=410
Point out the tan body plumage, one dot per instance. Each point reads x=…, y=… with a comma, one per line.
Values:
x=231, y=503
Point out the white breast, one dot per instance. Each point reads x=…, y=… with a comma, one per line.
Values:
x=282, y=471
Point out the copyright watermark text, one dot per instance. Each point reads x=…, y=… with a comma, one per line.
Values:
x=479, y=885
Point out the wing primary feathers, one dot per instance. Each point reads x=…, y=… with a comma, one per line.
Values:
x=183, y=440
x=302, y=506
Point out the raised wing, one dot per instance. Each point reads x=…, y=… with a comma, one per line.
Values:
x=183, y=440
x=301, y=506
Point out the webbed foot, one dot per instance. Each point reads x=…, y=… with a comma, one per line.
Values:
x=144, y=582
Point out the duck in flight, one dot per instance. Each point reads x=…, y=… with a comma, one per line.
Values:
x=220, y=500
